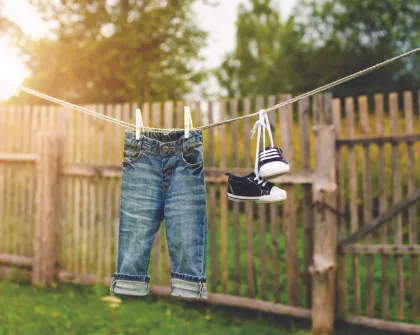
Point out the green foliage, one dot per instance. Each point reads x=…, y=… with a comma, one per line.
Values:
x=347, y=36
x=80, y=310
x=265, y=53
x=119, y=51
x=321, y=42
x=66, y=309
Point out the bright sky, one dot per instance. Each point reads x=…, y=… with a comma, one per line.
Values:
x=219, y=21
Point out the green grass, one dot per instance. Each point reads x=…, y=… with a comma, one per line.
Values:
x=67, y=309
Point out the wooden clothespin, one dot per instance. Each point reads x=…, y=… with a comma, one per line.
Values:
x=187, y=121
x=139, y=123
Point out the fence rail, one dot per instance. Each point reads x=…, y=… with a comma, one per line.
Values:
x=260, y=256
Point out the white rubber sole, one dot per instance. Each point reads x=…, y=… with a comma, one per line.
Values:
x=265, y=199
x=274, y=170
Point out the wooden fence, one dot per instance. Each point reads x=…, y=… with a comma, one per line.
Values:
x=260, y=256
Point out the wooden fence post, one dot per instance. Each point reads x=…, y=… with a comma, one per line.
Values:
x=48, y=162
x=323, y=268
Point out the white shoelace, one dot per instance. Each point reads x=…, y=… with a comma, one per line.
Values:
x=262, y=124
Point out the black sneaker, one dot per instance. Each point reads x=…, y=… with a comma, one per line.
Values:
x=272, y=164
x=251, y=188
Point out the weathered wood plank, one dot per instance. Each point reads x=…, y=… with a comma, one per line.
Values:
x=379, y=117
x=15, y=260
x=367, y=202
x=198, y=114
x=354, y=220
x=70, y=191
x=15, y=190
x=100, y=205
x=412, y=213
x=274, y=222
x=10, y=140
x=340, y=204
x=179, y=115
x=317, y=107
x=262, y=221
x=27, y=194
x=323, y=269
x=17, y=158
x=249, y=211
x=145, y=114
x=383, y=249
x=85, y=199
x=44, y=261
x=77, y=195
x=396, y=198
x=393, y=211
x=3, y=127
x=386, y=326
x=379, y=140
x=292, y=270
x=308, y=242
x=223, y=204
x=236, y=205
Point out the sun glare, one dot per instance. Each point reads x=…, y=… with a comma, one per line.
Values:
x=12, y=71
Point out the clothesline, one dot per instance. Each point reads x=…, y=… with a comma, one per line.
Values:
x=216, y=124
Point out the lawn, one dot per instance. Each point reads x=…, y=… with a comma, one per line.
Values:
x=67, y=309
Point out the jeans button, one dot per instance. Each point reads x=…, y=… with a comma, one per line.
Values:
x=165, y=148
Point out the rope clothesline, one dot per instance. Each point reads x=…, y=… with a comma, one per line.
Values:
x=216, y=124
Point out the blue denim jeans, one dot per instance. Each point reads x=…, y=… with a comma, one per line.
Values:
x=163, y=180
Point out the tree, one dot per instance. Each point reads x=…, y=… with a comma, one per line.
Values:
x=119, y=51
x=321, y=42
x=265, y=54
x=349, y=35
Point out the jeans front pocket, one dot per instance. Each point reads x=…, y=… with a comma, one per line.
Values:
x=131, y=155
x=193, y=157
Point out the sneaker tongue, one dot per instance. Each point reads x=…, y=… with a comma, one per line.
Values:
x=266, y=148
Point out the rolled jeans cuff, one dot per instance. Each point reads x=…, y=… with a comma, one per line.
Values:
x=129, y=287
x=188, y=289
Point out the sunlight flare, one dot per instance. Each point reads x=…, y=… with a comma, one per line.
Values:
x=12, y=71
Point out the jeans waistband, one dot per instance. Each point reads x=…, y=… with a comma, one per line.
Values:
x=164, y=144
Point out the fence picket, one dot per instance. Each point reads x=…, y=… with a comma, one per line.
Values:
x=9, y=174
x=396, y=197
x=249, y=211
x=17, y=175
x=179, y=115
x=379, y=116
x=303, y=109
x=223, y=204
x=85, y=188
x=262, y=219
x=292, y=270
x=3, y=125
x=236, y=205
x=274, y=222
x=354, y=221
x=100, y=204
x=77, y=198
x=367, y=202
x=341, y=228
x=412, y=226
